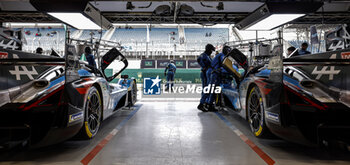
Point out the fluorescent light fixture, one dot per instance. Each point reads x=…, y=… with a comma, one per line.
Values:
x=50, y=24
x=16, y=25
x=76, y=20
x=20, y=24
x=274, y=14
x=171, y=25
x=273, y=21
x=130, y=24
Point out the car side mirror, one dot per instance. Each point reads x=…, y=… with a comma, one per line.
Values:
x=116, y=60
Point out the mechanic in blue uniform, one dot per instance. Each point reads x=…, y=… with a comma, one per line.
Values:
x=204, y=60
x=90, y=57
x=216, y=76
x=303, y=49
x=171, y=69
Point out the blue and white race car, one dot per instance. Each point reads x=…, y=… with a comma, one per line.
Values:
x=303, y=99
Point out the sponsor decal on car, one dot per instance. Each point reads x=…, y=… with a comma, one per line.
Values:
x=345, y=55
x=3, y=55
x=273, y=117
x=326, y=70
x=76, y=116
x=20, y=70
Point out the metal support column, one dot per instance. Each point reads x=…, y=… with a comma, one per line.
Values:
x=280, y=40
x=147, y=42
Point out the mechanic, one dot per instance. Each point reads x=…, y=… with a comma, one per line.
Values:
x=169, y=72
x=303, y=49
x=39, y=50
x=290, y=50
x=216, y=76
x=204, y=60
x=89, y=56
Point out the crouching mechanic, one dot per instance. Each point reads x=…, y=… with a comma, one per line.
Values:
x=169, y=72
x=204, y=60
x=216, y=76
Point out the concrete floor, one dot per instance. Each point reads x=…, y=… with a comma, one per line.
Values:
x=174, y=133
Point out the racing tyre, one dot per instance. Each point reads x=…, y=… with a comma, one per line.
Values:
x=132, y=95
x=255, y=112
x=93, y=114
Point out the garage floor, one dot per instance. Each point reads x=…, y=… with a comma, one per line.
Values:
x=174, y=133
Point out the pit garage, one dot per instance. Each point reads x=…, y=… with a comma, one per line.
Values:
x=174, y=82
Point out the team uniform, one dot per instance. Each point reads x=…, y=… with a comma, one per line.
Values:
x=216, y=75
x=170, y=73
x=205, y=61
x=303, y=52
x=91, y=60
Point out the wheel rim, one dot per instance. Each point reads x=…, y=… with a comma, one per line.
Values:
x=255, y=111
x=94, y=112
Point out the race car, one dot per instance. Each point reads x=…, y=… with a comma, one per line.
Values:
x=303, y=99
x=45, y=99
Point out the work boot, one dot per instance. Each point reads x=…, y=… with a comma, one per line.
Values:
x=211, y=108
x=201, y=107
x=206, y=106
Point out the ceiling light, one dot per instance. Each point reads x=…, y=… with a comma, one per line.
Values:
x=274, y=14
x=20, y=24
x=274, y=21
x=79, y=14
x=76, y=20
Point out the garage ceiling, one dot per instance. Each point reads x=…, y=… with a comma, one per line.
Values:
x=335, y=12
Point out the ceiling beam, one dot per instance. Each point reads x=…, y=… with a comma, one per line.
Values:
x=201, y=18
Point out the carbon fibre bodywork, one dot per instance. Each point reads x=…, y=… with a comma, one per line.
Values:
x=308, y=105
x=43, y=103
